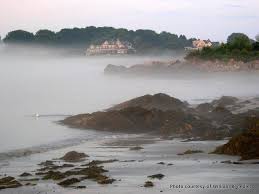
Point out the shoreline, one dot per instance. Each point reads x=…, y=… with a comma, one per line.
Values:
x=133, y=167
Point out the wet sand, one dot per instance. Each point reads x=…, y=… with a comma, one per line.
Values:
x=133, y=167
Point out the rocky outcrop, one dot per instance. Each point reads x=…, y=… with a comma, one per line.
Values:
x=164, y=115
x=245, y=144
x=158, y=101
x=140, y=120
x=225, y=101
x=147, y=69
x=172, y=67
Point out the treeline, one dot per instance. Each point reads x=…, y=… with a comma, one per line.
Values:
x=82, y=37
x=238, y=47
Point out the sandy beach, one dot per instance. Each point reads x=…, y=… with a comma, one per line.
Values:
x=133, y=167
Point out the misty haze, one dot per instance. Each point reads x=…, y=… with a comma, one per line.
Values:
x=138, y=109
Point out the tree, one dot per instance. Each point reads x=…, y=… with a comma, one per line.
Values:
x=142, y=40
x=239, y=41
x=19, y=36
x=233, y=36
x=257, y=37
x=45, y=36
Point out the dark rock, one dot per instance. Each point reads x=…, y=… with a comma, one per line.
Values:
x=92, y=172
x=98, y=162
x=25, y=174
x=68, y=182
x=106, y=181
x=128, y=161
x=55, y=167
x=158, y=101
x=136, y=148
x=245, y=144
x=6, y=179
x=47, y=163
x=9, y=182
x=225, y=101
x=221, y=110
x=190, y=152
x=157, y=176
x=162, y=163
x=204, y=108
x=32, y=179
x=165, y=116
x=54, y=175
x=226, y=162
x=74, y=156
x=30, y=184
x=41, y=173
x=80, y=187
x=139, y=120
x=149, y=184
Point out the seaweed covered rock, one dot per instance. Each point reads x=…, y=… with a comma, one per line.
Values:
x=9, y=182
x=54, y=175
x=245, y=144
x=73, y=156
x=69, y=182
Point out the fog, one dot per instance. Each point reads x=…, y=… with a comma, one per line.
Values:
x=52, y=83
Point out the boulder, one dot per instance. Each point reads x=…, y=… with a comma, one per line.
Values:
x=74, y=156
x=245, y=144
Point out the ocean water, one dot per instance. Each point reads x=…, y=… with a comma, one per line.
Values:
x=55, y=86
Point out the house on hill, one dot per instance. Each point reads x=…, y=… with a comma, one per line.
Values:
x=111, y=48
x=199, y=44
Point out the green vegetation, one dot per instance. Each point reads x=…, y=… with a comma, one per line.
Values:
x=81, y=37
x=238, y=47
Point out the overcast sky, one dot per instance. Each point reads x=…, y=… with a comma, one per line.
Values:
x=214, y=19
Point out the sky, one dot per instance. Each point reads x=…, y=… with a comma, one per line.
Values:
x=205, y=19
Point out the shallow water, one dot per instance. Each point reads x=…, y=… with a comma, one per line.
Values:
x=70, y=85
